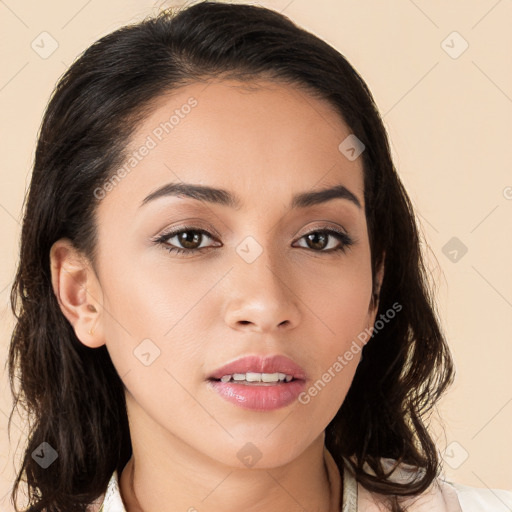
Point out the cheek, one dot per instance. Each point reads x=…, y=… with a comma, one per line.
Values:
x=151, y=295
x=152, y=338
x=339, y=298
x=339, y=305
x=339, y=339
x=155, y=311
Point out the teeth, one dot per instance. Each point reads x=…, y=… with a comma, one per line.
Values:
x=257, y=377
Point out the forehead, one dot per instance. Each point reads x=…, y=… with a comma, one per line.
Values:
x=265, y=141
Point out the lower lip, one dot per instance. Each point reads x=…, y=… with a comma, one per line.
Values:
x=259, y=397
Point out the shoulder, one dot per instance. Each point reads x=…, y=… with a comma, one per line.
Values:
x=441, y=496
x=476, y=499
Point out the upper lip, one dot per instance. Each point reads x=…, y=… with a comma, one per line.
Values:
x=261, y=364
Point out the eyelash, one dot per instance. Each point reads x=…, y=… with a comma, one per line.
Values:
x=346, y=240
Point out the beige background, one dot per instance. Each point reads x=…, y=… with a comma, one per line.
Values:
x=449, y=118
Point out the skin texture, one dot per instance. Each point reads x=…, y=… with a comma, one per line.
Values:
x=206, y=309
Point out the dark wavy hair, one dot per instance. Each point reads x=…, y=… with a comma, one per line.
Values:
x=72, y=394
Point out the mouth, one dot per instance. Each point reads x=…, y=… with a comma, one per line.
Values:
x=256, y=378
x=259, y=383
x=259, y=370
x=258, y=395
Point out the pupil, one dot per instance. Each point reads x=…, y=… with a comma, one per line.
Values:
x=184, y=239
x=314, y=236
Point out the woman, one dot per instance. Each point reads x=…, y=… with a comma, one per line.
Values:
x=221, y=300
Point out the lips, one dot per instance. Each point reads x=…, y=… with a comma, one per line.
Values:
x=261, y=364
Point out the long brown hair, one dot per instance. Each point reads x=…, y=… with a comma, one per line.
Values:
x=73, y=394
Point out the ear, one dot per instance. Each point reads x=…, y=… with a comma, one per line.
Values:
x=379, y=276
x=376, y=286
x=78, y=291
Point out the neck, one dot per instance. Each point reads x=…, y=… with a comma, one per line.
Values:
x=178, y=478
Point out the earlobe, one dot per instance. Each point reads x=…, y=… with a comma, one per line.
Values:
x=77, y=290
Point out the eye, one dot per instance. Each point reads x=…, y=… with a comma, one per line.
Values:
x=191, y=238
x=318, y=240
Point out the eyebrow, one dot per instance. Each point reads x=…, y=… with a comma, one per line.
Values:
x=226, y=198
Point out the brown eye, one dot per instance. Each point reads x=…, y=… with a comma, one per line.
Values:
x=189, y=242
x=319, y=240
x=188, y=238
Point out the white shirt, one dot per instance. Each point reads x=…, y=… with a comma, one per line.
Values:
x=441, y=496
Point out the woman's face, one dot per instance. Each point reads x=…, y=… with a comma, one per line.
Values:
x=257, y=286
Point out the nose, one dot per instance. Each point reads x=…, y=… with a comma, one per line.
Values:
x=261, y=296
